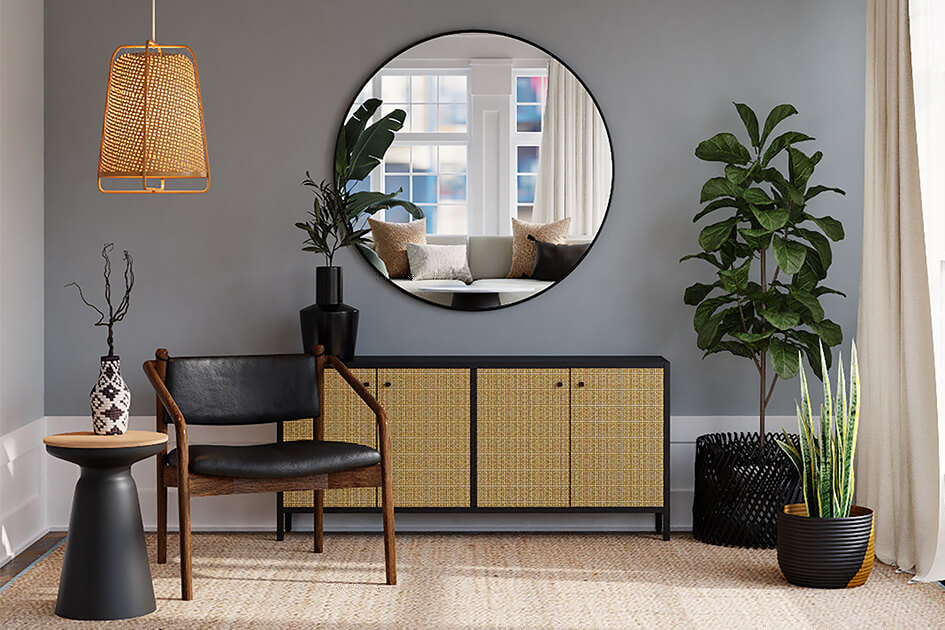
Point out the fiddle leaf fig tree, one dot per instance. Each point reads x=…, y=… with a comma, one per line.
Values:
x=770, y=250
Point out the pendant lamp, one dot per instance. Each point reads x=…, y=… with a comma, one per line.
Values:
x=153, y=127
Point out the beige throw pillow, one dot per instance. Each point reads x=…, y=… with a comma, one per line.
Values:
x=390, y=243
x=523, y=250
x=438, y=262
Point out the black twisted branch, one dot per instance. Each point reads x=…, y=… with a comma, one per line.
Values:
x=114, y=315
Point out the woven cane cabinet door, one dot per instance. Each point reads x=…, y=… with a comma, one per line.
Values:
x=428, y=411
x=347, y=419
x=522, y=437
x=617, y=437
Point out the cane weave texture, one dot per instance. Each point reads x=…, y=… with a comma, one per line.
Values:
x=616, y=437
x=347, y=419
x=153, y=127
x=522, y=437
x=428, y=411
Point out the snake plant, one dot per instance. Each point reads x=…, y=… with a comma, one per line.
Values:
x=825, y=459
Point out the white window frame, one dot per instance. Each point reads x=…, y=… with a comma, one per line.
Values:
x=523, y=138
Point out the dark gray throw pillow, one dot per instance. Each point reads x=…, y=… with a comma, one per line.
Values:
x=553, y=261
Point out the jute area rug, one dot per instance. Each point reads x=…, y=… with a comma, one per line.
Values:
x=250, y=581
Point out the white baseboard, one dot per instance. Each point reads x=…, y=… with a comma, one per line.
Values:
x=23, y=518
x=256, y=512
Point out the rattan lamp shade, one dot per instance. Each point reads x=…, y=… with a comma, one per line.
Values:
x=153, y=127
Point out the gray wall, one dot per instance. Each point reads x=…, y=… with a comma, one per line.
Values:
x=221, y=272
x=21, y=213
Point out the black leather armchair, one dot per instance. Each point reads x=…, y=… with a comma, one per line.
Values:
x=233, y=390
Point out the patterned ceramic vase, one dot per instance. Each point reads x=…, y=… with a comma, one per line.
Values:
x=110, y=399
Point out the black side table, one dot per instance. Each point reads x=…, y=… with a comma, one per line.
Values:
x=105, y=571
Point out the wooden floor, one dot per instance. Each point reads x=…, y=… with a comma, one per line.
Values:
x=32, y=553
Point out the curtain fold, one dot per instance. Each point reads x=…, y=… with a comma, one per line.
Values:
x=899, y=472
x=574, y=161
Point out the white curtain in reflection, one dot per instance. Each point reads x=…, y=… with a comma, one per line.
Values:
x=574, y=161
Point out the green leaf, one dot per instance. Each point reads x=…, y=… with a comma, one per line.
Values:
x=813, y=191
x=753, y=338
x=371, y=202
x=808, y=301
x=371, y=256
x=828, y=331
x=697, y=292
x=712, y=236
x=800, y=166
x=789, y=255
x=735, y=174
x=706, y=309
x=782, y=320
x=757, y=196
x=751, y=123
x=775, y=116
x=723, y=147
x=784, y=358
x=831, y=227
x=703, y=256
x=736, y=348
x=781, y=143
x=819, y=242
x=372, y=144
x=818, y=291
x=724, y=202
x=718, y=187
x=776, y=179
x=708, y=334
x=773, y=219
x=735, y=279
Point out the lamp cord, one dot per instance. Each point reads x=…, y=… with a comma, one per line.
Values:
x=153, y=38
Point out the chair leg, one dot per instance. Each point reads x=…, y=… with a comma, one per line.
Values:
x=162, y=523
x=387, y=504
x=186, y=569
x=319, y=511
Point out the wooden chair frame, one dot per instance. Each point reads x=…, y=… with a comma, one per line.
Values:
x=192, y=485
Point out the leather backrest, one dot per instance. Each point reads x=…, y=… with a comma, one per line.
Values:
x=243, y=389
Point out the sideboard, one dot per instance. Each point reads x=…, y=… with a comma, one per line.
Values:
x=505, y=434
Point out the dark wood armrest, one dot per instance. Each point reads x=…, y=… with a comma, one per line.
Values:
x=180, y=424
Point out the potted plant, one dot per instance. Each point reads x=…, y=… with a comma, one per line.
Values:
x=770, y=256
x=110, y=398
x=337, y=221
x=827, y=541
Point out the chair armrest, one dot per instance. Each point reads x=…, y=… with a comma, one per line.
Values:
x=180, y=424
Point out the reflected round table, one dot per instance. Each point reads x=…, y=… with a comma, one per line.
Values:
x=105, y=571
x=478, y=296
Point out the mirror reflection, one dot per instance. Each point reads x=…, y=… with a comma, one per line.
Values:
x=507, y=156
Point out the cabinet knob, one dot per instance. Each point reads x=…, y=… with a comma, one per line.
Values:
x=559, y=384
x=580, y=383
x=366, y=384
x=387, y=384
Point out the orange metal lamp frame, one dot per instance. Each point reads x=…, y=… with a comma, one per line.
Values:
x=150, y=49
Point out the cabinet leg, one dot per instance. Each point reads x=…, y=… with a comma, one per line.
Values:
x=288, y=521
x=659, y=522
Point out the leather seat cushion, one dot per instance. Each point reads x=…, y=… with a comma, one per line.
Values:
x=279, y=460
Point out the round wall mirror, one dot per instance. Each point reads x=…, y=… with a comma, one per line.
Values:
x=500, y=170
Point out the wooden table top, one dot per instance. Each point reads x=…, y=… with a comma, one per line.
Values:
x=87, y=439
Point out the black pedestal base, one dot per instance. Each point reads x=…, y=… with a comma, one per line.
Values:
x=474, y=301
x=105, y=571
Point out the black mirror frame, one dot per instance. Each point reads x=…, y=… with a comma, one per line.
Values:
x=610, y=139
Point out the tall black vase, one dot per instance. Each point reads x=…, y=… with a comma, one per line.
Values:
x=329, y=321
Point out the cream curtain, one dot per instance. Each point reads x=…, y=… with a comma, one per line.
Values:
x=574, y=161
x=899, y=472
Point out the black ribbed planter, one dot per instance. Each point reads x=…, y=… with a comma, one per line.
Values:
x=739, y=491
x=329, y=321
x=825, y=552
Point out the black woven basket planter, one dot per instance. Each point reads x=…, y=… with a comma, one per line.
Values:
x=739, y=492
